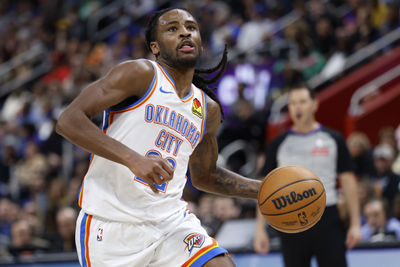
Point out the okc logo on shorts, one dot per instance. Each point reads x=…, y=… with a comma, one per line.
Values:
x=193, y=240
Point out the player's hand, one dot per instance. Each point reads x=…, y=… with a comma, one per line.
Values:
x=353, y=237
x=261, y=242
x=154, y=170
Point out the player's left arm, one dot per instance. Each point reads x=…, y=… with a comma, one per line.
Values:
x=205, y=173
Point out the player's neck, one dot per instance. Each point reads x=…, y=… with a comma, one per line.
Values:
x=181, y=77
x=306, y=127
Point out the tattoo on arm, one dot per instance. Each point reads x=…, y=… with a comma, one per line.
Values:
x=230, y=183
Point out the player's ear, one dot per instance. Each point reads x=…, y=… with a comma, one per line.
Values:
x=155, y=48
x=315, y=105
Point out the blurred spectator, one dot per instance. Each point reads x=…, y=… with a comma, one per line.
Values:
x=227, y=27
x=392, y=22
x=23, y=242
x=13, y=104
x=32, y=165
x=387, y=183
x=396, y=164
x=349, y=20
x=387, y=135
x=32, y=216
x=225, y=209
x=8, y=160
x=57, y=198
x=205, y=213
x=366, y=192
x=243, y=123
x=305, y=57
x=379, y=12
x=365, y=32
x=379, y=227
x=66, y=220
x=322, y=22
x=325, y=39
x=8, y=215
x=396, y=206
x=359, y=148
x=255, y=31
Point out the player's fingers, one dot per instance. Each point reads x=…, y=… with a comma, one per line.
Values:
x=260, y=248
x=153, y=187
x=164, y=176
x=157, y=179
x=257, y=245
x=264, y=248
x=351, y=242
x=168, y=168
x=151, y=182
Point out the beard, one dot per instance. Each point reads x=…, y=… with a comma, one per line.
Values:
x=179, y=62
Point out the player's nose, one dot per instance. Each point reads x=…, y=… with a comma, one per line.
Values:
x=184, y=33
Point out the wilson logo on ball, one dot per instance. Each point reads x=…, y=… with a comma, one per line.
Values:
x=293, y=197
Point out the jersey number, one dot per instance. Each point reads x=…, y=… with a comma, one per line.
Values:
x=163, y=187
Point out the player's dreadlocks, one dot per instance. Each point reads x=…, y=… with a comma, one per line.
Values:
x=198, y=80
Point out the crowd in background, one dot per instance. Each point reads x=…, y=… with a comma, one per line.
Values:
x=38, y=195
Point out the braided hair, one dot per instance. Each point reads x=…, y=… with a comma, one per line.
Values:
x=198, y=79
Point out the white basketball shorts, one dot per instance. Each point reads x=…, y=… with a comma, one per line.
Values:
x=178, y=241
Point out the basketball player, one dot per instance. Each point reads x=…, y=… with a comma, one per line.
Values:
x=323, y=151
x=159, y=119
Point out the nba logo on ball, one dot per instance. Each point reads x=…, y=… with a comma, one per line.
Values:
x=292, y=199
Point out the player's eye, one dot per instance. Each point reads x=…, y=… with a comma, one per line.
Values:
x=172, y=29
x=191, y=28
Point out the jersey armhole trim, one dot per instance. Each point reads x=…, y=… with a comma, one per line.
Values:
x=141, y=100
x=204, y=120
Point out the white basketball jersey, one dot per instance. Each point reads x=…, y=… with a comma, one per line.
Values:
x=160, y=123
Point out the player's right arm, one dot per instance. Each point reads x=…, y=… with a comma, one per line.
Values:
x=128, y=79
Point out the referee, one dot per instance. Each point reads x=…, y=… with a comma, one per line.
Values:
x=323, y=151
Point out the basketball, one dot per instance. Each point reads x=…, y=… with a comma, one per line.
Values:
x=291, y=199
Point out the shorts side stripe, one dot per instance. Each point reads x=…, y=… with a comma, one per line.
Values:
x=84, y=239
x=205, y=254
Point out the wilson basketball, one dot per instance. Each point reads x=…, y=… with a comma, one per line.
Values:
x=292, y=199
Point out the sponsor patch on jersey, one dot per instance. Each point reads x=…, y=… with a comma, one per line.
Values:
x=197, y=108
x=193, y=240
x=320, y=151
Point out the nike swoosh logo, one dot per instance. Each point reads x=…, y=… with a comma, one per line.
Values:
x=165, y=92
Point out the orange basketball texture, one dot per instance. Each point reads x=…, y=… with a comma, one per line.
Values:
x=292, y=199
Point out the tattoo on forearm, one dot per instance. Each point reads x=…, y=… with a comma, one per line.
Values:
x=230, y=183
